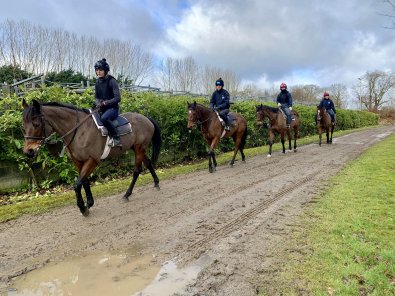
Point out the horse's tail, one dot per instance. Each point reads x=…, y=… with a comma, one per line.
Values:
x=243, y=138
x=156, y=142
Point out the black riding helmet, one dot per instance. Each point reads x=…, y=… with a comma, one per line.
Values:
x=219, y=82
x=102, y=65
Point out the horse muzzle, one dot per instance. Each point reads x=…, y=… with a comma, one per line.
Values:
x=31, y=151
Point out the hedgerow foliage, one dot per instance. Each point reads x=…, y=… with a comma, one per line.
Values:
x=170, y=112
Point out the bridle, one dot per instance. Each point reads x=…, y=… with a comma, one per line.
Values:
x=45, y=140
x=198, y=121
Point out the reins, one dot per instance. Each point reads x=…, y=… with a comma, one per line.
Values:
x=45, y=140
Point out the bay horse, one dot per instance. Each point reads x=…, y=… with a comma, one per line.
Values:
x=213, y=131
x=324, y=123
x=85, y=144
x=278, y=124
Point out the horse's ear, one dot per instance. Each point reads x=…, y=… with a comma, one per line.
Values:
x=37, y=106
x=194, y=103
x=187, y=103
x=261, y=105
x=24, y=104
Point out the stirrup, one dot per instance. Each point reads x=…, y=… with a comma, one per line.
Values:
x=115, y=143
x=227, y=128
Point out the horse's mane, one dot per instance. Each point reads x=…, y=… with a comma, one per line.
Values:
x=272, y=109
x=29, y=113
x=68, y=106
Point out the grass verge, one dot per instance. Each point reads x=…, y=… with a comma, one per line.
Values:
x=346, y=242
x=37, y=204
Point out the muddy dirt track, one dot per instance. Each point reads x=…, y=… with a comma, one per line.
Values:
x=232, y=218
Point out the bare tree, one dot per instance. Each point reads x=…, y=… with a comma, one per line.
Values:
x=375, y=89
x=338, y=93
x=391, y=13
x=308, y=94
x=40, y=50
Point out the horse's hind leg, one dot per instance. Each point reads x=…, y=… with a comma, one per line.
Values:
x=138, y=160
x=148, y=164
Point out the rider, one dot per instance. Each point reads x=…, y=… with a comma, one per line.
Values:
x=220, y=102
x=107, y=98
x=284, y=100
x=327, y=103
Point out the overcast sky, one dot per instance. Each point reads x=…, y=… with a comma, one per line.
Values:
x=264, y=42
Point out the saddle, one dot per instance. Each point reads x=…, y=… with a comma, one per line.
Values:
x=285, y=115
x=120, y=123
x=231, y=118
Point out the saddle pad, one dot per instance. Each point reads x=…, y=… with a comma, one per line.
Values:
x=121, y=124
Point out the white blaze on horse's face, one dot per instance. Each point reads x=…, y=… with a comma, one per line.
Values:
x=259, y=118
x=191, y=118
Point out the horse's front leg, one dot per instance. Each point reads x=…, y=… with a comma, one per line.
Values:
x=330, y=140
x=80, y=201
x=289, y=139
x=327, y=135
x=85, y=169
x=212, y=162
x=320, y=136
x=89, y=196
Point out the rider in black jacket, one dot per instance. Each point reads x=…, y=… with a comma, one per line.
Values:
x=328, y=104
x=107, y=98
x=284, y=101
x=220, y=101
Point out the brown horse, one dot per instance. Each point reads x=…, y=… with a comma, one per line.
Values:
x=277, y=124
x=324, y=123
x=213, y=131
x=85, y=144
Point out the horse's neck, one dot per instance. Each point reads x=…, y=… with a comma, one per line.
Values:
x=272, y=116
x=60, y=118
x=205, y=115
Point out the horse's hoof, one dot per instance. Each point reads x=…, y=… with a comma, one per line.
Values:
x=211, y=169
x=295, y=150
x=231, y=164
x=269, y=155
x=157, y=187
x=125, y=198
x=86, y=212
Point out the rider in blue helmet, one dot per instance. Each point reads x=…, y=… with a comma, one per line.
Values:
x=220, y=101
x=107, y=98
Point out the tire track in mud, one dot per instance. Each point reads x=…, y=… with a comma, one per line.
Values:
x=196, y=247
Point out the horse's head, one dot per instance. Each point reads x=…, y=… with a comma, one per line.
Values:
x=260, y=115
x=192, y=115
x=320, y=113
x=35, y=129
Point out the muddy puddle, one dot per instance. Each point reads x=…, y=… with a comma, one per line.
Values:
x=100, y=274
x=118, y=274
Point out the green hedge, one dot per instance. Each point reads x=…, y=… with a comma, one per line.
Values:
x=170, y=112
